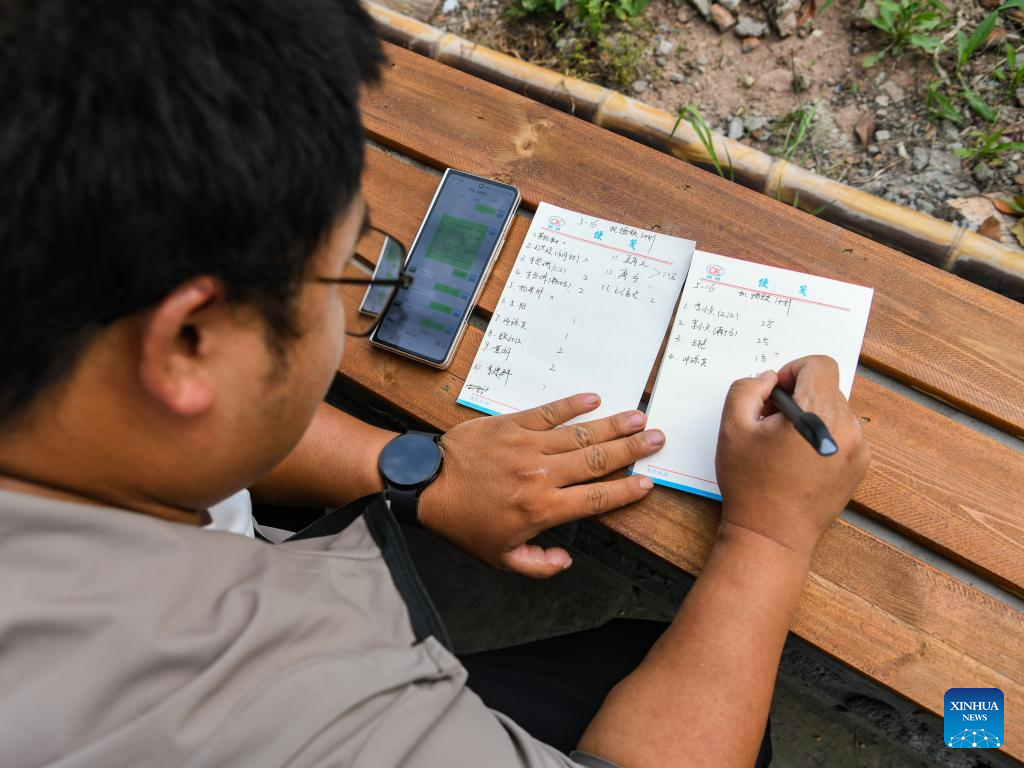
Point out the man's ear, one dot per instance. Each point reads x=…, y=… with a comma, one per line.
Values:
x=172, y=367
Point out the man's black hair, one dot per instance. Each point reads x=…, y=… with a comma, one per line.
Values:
x=144, y=142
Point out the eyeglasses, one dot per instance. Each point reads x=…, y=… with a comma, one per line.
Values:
x=363, y=314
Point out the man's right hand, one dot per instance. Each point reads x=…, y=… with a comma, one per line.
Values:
x=773, y=482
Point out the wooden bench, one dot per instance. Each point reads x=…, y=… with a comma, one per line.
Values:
x=916, y=628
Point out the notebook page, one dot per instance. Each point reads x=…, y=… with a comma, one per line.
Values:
x=736, y=319
x=584, y=309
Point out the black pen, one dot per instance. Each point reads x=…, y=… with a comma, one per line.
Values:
x=807, y=424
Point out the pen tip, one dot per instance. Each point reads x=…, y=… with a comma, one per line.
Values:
x=827, y=447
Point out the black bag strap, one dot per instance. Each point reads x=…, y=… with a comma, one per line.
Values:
x=334, y=522
x=425, y=619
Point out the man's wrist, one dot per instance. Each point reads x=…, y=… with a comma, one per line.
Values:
x=793, y=548
x=370, y=477
x=748, y=563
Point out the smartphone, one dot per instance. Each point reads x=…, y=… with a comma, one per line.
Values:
x=388, y=267
x=449, y=262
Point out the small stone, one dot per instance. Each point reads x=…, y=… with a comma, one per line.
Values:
x=677, y=77
x=944, y=160
x=982, y=173
x=666, y=48
x=748, y=44
x=883, y=135
x=449, y=6
x=735, y=129
x=702, y=60
x=753, y=123
x=862, y=16
x=920, y=159
x=873, y=149
x=722, y=18
x=748, y=81
x=748, y=27
x=639, y=86
x=882, y=100
x=784, y=15
x=901, y=150
x=730, y=5
x=703, y=7
x=893, y=91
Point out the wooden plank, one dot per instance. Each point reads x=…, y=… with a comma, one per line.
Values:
x=897, y=620
x=964, y=503
x=960, y=342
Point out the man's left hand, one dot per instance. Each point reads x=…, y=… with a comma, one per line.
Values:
x=506, y=479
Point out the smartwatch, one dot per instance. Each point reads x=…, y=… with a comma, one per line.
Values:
x=408, y=464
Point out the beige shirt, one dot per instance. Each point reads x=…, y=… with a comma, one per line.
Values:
x=130, y=641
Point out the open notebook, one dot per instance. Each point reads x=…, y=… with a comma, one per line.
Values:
x=586, y=308
x=736, y=319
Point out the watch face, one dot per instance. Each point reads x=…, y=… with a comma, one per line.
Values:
x=410, y=459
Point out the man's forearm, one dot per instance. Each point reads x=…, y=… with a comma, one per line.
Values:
x=702, y=695
x=334, y=463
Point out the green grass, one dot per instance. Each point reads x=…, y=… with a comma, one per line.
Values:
x=594, y=13
x=1010, y=73
x=988, y=145
x=968, y=46
x=616, y=57
x=799, y=122
x=908, y=25
x=692, y=115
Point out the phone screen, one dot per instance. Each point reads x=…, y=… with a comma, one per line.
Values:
x=447, y=262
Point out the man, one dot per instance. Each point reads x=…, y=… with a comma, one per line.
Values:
x=180, y=192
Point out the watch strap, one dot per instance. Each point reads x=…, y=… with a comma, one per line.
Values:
x=405, y=503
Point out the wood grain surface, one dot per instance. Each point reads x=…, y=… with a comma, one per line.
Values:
x=903, y=623
x=930, y=329
x=954, y=490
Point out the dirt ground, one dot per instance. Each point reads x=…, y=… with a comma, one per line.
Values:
x=757, y=90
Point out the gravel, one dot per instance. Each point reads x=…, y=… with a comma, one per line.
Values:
x=748, y=27
x=735, y=129
x=703, y=7
x=753, y=123
x=983, y=173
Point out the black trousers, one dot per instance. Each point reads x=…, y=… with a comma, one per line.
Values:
x=553, y=688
